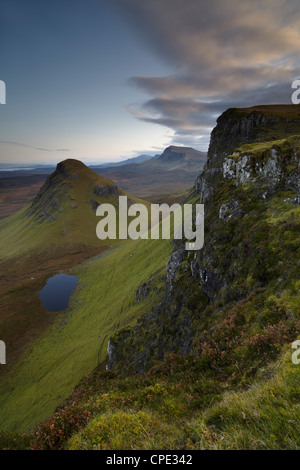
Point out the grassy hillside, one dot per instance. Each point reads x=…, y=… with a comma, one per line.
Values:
x=104, y=302
x=62, y=215
x=177, y=405
x=56, y=231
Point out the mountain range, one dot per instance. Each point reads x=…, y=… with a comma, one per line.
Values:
x=161, y=178
x=128, y=161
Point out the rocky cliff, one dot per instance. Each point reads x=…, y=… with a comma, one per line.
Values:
x=250, y=187
x=236, y=127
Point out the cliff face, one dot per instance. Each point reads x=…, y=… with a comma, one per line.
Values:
x=250, y=188
x=272, y=166
x=236, y=127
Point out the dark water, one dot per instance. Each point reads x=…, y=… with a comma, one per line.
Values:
x=57, y=292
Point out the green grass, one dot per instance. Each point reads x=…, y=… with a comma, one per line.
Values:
x=126, y=431
x=176, y=405
x=103, y=303
x=283, y=111
x=257, y=148
x=267, y=416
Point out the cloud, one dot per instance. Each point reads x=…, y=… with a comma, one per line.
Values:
x=19, y=144
x=224, y=54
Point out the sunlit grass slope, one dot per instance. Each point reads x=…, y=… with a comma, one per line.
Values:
x=103, y=303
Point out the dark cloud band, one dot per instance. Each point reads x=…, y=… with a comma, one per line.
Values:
x=224, y=54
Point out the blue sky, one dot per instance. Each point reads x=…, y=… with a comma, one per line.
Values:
x=102, y=80
x=66, y=66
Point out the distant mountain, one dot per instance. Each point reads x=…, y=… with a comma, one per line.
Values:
x=7, y=170
x=172, y=171
x=181, y=158
x=139, y=159
x=14, y=172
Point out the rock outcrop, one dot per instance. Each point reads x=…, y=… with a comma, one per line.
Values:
x=276, y=166
x=105, y=190
x=236, y=127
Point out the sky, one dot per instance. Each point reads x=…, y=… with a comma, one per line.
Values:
x=103, y=80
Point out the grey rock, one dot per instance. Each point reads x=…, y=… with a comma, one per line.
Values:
x=142, y=292
x=228, y=210
x=105, y=190
x=111, y=351
x=174, y=264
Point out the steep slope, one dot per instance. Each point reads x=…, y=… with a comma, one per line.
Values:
x=54, y=351
x=176, y=405
x=251, y=196
x=18, y=188
x=105, y=300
